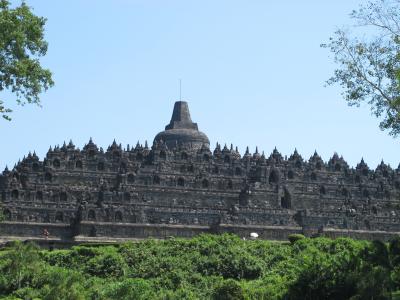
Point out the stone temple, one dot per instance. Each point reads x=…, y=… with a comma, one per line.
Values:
x=179, y=187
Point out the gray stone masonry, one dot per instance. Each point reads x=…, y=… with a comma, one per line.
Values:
x=180, y=187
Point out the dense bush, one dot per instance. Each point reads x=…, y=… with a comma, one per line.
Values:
x=293, y=238
x=228, y=290
x=205, y=267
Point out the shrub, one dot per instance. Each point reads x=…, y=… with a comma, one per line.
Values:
x=106, y=265
x=293, y=238
x=129, y=289
x=228, y=290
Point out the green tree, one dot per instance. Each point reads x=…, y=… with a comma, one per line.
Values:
x=19, y=266
x=21, y=45
x=106, y=265
x=326, y=269
x=394, y=249
x=228, y=290
x=129, y=288
x=60, y=284
x=368, y=61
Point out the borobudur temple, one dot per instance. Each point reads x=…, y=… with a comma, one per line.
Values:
x=179, y=187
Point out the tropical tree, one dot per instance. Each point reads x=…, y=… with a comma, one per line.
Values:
x=228, y=290
x=369, y=61
x=19, y=265
x=21, y=45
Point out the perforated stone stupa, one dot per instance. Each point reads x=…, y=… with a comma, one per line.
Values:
x=179, y=187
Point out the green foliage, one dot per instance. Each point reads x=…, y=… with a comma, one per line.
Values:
x=228, y=257
x=205, y=267
x=129, y=289
x=109, y=264
x=271, y=287
x=375, y=284
x=369, y=68
x=293, y=238
x=21, y=44
x=60, y=283
x=19, y=266
x=377, y=254
x=394, y=251
x=228, y=290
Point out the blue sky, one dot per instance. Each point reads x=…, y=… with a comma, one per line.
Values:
x=252, y=71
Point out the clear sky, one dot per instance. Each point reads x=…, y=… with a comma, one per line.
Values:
x=252, y=71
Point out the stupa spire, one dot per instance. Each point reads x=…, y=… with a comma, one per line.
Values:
x=182, y=131
x=181, y=117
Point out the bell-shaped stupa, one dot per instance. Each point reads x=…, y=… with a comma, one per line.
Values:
x=181, y=131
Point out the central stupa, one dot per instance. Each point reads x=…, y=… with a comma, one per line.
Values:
x=181, y=131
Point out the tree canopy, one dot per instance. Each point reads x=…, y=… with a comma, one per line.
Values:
x=205, y=267
x=368, y=58
x=21, y=45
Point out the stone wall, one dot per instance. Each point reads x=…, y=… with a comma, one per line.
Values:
x=186, y=184
x=34, y=230
x=89, y=231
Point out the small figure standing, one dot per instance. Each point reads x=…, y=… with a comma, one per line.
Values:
x=46, y=233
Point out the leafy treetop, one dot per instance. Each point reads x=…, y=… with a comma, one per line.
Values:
x=369, y=61
x=21, y=44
